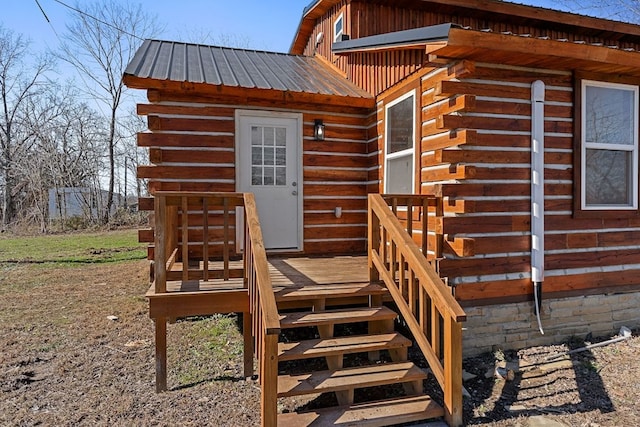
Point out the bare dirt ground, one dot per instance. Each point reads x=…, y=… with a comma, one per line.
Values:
x=63, y=363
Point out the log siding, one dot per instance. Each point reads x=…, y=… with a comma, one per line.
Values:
x=488, y=178
x=192, y=148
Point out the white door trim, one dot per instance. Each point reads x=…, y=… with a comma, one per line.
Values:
x=298, y=117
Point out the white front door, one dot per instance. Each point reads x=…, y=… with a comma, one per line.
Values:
x=269, y=166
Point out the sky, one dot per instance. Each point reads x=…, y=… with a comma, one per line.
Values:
x=262, y=24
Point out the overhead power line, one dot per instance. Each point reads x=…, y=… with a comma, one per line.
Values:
x=42, y=10
x=81, y=12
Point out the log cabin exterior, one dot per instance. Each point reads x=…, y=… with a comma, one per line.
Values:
x=501, y=110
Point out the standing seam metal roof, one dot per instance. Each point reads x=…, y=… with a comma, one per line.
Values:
x=184, y=62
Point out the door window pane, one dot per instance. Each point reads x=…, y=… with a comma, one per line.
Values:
x=268, y=150
x=281, y=176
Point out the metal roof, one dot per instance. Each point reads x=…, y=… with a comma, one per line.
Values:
x=414, y=36
x=193, y=63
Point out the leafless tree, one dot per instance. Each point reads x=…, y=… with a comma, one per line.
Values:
x=21, y=77
x=66, y=152
x=131, y=155
x=619, y=10
x=99, y=43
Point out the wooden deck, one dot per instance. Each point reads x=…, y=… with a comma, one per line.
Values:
x=322, y=291
x=200, y=297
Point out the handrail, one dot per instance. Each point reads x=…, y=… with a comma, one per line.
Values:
x=423, y=299
x=264, y=312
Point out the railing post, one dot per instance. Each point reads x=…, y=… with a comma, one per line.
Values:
x=453, y=372
x=160, y=255
x=439, y=236
x=269, y=407
x=374, y=241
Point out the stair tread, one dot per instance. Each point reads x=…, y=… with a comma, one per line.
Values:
x=371, y=414
x=336, y=290
x=327, y=317
x=349, y=378
x=340, y=345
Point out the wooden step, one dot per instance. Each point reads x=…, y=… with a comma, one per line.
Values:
x=370, y=414
x=349, y=378
x=339, y=290
x=332, y=317
x=340, y=346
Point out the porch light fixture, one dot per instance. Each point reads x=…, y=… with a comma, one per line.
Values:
x=318, y=130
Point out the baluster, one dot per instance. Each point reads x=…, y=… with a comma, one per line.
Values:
x=205, y=238
x=225, y=248
x=425, y=227
x=185, y=239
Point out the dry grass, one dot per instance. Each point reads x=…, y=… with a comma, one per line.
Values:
x=63, y=362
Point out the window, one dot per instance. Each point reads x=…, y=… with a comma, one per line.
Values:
x=338, y=28
x=609, y=146
x=399, y=145
x=268, y=156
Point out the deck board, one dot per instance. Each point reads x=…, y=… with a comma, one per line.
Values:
x=286, y=272
x=200, y=297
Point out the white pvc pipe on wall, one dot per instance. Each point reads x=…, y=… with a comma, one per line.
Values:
x=537, y=193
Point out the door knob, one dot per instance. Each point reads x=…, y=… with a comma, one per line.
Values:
x=294, y=192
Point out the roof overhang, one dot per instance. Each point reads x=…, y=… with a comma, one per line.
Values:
x=408, y=39
x=510, y=49
x=313, y=11
x=221, y=93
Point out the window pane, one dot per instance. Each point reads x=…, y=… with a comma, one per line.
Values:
x=338, y=27
x=256, y=176
x=281, y=156
x=400, y=126
x=269, y=136
x=281, y=137
x=256, y=156
x=268, y=176
x=609, y=115
x=608, y=177
x=399, y=175
x=268, y=156
x=281, y=176
x=256, y=135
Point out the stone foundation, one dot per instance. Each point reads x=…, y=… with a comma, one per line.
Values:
x=514, y=326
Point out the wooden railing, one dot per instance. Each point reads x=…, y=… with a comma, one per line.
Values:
x=423, y=299
x=264, y=312
x=190, y=230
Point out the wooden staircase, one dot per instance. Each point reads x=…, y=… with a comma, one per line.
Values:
x=323, y=307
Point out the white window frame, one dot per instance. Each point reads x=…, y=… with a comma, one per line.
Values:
x=337, y=36
x=409, y=151
x=613, y=147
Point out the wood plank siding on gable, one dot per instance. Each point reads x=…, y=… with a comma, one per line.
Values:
x=377, y=71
